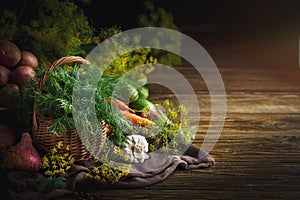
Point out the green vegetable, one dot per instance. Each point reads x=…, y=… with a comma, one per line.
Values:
x=143, y=92
x=55, y=101
x=126, y=92
x=141, y=105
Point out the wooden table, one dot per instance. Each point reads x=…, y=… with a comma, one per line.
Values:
x=258, y=152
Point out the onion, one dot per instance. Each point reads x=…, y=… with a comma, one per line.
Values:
x=22, y=74
x=23, y=156
x=7, y=137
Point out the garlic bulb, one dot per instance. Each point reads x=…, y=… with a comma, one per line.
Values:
x=136, y=147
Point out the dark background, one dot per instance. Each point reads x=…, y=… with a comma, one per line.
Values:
x=192, y=15
x=204, y=15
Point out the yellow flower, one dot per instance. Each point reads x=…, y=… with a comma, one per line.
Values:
x=52, y=157
x=48, y=173
x=69, y=68
x=71, y=160
x=126, y=157
x=45, y=162
x=96, y=170
x=94, y=159
x=63, y=163
x=88, y=175
x=124, y=61
x=53, y=150
x=45, y=159
x=97, y=177
x=117, y=151
x=59, y=145
x=68, y=167
x=65, y=155
x=68, y=147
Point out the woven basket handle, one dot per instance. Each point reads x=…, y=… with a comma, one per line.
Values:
x=61, y=61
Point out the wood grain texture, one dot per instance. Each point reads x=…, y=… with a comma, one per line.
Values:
x=258, y=152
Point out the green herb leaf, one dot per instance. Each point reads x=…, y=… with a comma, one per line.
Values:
x=47, y=184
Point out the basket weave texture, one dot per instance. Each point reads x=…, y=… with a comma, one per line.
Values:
x=40, y=134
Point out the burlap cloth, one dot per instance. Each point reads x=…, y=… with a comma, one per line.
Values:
x=21, y=185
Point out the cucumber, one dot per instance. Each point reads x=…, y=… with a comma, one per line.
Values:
x=127, y=93
x=143, y=92
x=141, y=104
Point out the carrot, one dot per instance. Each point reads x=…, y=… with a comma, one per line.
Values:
x=120, y=104
x=137, y=120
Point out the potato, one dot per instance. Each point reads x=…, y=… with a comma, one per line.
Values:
x=10, y=54
x=5, y=91
x=4, y=75
x=22, y=74
x=28, y=59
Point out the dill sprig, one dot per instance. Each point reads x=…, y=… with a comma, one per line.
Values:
x=55, y=101
x=173, y=131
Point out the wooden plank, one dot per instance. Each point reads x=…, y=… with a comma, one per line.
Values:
x=229, y=193
x=251, y=79
x=242, y=102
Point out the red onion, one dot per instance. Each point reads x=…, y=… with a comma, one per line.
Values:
x=7, y=137
x=23, y=156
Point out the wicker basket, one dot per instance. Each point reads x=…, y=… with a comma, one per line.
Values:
x=46, y=140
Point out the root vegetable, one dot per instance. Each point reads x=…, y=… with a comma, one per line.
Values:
x=12, y=86
x=137, y=120
x=28, y=59
x=120, y=104
x=10, y=54
x=4, y=75
x=22, y=74
x=5, y=91
x=23, y=156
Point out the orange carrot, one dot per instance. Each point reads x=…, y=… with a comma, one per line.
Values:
x=137, y=120
x=120, y=104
